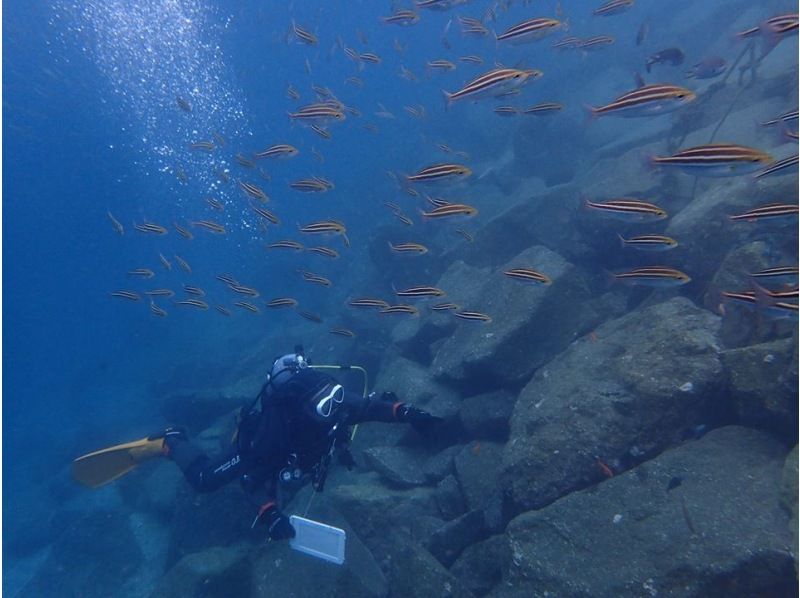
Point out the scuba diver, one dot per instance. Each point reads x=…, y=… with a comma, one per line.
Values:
x=286, y=437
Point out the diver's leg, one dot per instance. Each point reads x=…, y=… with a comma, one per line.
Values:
x=204, y=474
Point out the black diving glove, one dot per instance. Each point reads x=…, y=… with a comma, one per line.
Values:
x=422, y=421
x=278, y=526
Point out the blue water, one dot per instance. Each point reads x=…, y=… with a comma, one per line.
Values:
x=91, y=125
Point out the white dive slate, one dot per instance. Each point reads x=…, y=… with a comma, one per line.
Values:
x=317, y=539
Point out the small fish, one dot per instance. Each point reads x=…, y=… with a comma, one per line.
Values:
x=650, y=100
x=453, y=209
x=438, y=4
x=439, y=173
x=326, y=251
x=445, y=307
x=604, y=468
x=673, y=56
x=402, y=17
x=160, y=293
x=311, y=185
x=529, y=31
x=781, y=167
x=654, y=276
x=281, y=150
x=507, y=111
x=474, y=316
x=708, y=68
x=253, y=191
x=183, y=264
x=156, y=310
x=400, y=309
x=440, y=65
x=783, y=118
x=649, y=242
x=404, y=219
x=370, y=57
x=243, y=160
x=407, y=74
x=492, y=83
x=243, y=290
x=528, y=275
x=324, y=133
x=472, y=27
x=266, y=214
x=471, y=59
x=183, y=232
x=129, y=295
x=342, y=332
x=183, y=104
x=116, y=224
x=282, y=302
x=543, y=109
x=715, y=160
x=420, y=291
x=303, y=35
x=150, y=228
x=223, y=310
x=414, y=248
x=292, y=93
x=204, y=146
x=197, y=291
x=368, y=302
x=215, y=204
x=612, y=7
x=357, y=81
x=211, y=226
x=775, y=210
x=227, y=279
x=286, y=244
x=248, y=306
x=320, y=158
x=596, y=42
x=320, y=115
x=141, y=273
x=465, y=234
x=777, y=274
x=629, y=210
x=310, y=316
x=568, y=43
x=193, y=303
x=321, y=280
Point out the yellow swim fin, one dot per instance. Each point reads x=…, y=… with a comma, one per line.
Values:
x=108, y=464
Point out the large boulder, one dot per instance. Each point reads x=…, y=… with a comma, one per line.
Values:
x=487, y=416
x=95, y=557
x=630, y=390
x=415, y=572
x=763, y=385
x=699, y=520
x=505, y=352
x=399, y=466
x=480, y=566
x=789, y=497
x=215, y=572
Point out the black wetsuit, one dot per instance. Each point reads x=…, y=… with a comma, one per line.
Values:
x=279, y=438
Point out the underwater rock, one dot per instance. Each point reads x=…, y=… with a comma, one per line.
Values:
x=477, y=468
x=763, y=385
x=94, y=557
x=720, y=533
x=450, y=540
x=449, y=498
x=630, y=389
x=441, y=464
x=399, y=465
x=215, y=572
x=416, y=572
x=789, y=492
x=529, y=325
x=486, y=416
x=415, y=336
x=740, y=324
x=372, y=508
x=480, y=566
x=705, y=232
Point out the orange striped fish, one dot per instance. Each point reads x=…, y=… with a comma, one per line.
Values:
x=715, y=160
x=650, y=100
x=529, y=31
x=492, y=83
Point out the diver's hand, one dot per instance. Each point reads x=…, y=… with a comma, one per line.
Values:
x=278, y=526
x=420, y=420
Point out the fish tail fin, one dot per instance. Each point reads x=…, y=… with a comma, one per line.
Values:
x=448, y=100
x=591, y=114
x=715, y=300
x=622, y=241
x=769, y=38
x=649, y=163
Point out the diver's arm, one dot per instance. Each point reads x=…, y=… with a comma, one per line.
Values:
x=387, y=408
